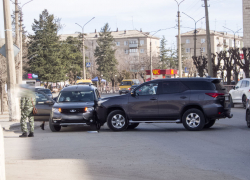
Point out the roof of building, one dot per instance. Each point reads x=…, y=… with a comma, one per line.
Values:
x=202, y=32
x=115, y=34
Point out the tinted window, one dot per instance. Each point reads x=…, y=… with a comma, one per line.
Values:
x=243, y=84
x=172, y=87
x=199, y=85
x=219, y=86
x=247, y=83
x=238, y=84
x=147, y=89
x=76, y=96
x=46, y=91
x=40, y=98
x=126, y=83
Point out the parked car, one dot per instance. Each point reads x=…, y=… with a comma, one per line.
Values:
x=46, y=91
x=240, y=92
x=248, y=112
x=75, y=105
x=194, y=102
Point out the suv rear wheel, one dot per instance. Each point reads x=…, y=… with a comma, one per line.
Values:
x=209, y=124
x=117, y=121
x=54, y=128
x=193, y=120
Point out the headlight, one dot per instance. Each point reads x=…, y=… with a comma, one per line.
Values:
x=88, y=109
x=57, y=110
x=101, y=101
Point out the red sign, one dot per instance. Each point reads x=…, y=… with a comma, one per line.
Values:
x=156, y=71
x=241, y=56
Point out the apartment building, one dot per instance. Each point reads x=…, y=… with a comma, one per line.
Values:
x=246, y=22
x=131, y=45
x=219, y=41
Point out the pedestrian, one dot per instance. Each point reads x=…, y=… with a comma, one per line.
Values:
x=27, y=111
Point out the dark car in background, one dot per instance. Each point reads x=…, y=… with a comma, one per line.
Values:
x=195, y=102
x=46, y=91
x=75, y=105
x=133, y=87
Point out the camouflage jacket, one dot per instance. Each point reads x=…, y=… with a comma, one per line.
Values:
x=26, y=104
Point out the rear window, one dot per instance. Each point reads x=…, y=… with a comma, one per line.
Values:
x=46, y=91
x=199, y=85
x=219, y=86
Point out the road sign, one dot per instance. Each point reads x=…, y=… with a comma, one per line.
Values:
x=88, y=64
x=3, y=50
x=186, y=70
x=241, y=56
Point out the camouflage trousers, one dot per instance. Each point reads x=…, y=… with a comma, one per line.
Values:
x=24, y=116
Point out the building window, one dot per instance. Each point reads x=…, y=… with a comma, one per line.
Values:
x=141, y=42
x=155, y=42
x=125, y=43
x=187, y=50
x=132, y=42
x=126, y=51
x=133, y=50
x=203, y=40
x=187, y=41
x=117, y=43
x=142, y=50
x=203, y=49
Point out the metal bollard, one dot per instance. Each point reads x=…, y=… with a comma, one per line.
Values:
x=2, y=157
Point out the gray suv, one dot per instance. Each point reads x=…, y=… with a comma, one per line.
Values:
x=194, y=102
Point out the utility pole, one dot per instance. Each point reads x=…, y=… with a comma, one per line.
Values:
x=151, y=67
x=195, y=32
x=179, y=40
x=11, y=73
x=17, y=42
x=210, y=69
x=83, y=48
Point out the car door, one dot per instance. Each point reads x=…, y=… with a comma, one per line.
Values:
x=44, y=106
x=240, y=91
x=143, y=105
x=173, y=96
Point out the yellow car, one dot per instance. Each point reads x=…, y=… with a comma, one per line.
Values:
x=84, y=81
x=126, y=84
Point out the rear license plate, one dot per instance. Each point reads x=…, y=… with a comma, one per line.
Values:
x=227, y=98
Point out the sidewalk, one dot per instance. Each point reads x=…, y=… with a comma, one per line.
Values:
x=8, y=125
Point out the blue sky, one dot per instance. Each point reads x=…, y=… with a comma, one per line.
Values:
x=133, y=14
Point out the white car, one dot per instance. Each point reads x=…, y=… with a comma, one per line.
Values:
x=241, y=91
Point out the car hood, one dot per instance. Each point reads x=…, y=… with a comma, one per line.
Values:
x=73, y=104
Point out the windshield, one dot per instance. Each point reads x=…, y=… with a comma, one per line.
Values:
x=46, y=91
x=76, y=96
x=126, y=83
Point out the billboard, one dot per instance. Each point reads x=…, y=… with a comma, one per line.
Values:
x=30, y=76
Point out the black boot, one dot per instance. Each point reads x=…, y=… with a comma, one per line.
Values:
x=42, y=126
x=24, y=135
x=31, y=134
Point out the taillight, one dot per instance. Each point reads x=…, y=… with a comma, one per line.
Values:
x=214, y=95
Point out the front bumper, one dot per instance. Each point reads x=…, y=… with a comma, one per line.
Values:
x=86, y=118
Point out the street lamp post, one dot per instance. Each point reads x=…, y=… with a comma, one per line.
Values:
x=83, y=49
x=195, y=31
x=179, y=39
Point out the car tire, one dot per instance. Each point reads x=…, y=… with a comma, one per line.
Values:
x=54, y=128
x=248, y=118
x=117, y=120
x=244, y=101
x=231, y=102
x=193, y=120
x=133, y=126
x=209, y=124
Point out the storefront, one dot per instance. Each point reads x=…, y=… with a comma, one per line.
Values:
x=161, y=74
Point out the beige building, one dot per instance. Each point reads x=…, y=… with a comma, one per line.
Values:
x=219, y=41
x=246, y=22
x=131, y=46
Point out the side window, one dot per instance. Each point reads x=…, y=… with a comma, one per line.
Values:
x=147, y=89
x=40, y=98
x=243, y=84
x=199, y=85
x=97, y=94
x=247, y=84
x=171, y=87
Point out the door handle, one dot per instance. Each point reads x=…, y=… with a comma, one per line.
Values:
x=153, y=98
x=183, y=97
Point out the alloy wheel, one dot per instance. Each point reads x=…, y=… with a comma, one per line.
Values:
x=193, y=120
x=118, y=121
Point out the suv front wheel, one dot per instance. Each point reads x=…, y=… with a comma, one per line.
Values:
x=193, y=120
x=117, y=121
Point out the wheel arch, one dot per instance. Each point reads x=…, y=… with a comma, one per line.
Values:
x=192, y=106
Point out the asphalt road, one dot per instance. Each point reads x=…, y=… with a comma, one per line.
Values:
x=151, y=151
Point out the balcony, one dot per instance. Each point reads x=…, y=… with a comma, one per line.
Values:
x=219, y=44
x=133, y=45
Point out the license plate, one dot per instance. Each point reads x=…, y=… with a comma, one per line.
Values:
x=226, y=98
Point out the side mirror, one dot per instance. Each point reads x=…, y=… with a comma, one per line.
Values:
x=236, y=87
x=49, y=102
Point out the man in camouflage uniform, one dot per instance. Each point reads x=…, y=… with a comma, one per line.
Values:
x=27, y=112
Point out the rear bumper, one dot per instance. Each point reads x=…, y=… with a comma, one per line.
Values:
x=217, y=111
